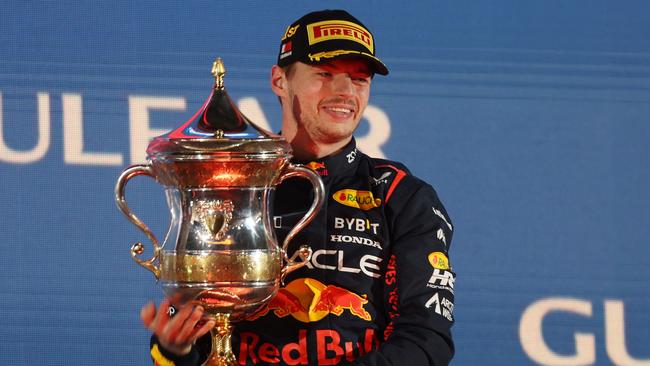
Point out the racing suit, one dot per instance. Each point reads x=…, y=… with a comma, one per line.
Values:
x=378, y=289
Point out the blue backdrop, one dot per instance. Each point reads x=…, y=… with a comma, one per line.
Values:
x=529, y=117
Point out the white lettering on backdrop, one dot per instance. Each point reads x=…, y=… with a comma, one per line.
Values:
x=76, y=152
x=532, y=340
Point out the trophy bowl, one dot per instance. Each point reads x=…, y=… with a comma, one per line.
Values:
x=219, y=171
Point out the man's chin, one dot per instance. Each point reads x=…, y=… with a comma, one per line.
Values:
x=340, y=130
x=335, y=137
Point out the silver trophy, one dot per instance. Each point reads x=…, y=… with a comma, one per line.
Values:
x=219, y=171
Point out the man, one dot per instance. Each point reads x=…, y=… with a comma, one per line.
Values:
x=378, y=289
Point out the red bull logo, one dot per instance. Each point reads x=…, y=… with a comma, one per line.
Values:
x=330, y=348
x=335, y=299
x=282, y=304
x=319, y=168
x=309, y=300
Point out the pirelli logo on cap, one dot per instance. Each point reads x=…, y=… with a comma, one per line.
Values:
x=339, y=29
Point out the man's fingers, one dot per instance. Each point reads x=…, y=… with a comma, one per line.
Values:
x=190, y=325
x=148, y=313
x=203, y=330
x=172, y=328
x=161, y=319
x=179, y=331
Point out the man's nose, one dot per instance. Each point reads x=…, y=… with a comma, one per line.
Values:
x=342, y=84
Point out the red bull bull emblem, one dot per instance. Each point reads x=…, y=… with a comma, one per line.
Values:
x=317, y=167
x=309, y=300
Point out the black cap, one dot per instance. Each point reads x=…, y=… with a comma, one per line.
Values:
x=322, y=36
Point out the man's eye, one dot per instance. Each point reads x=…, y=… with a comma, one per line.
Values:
x=324, y=74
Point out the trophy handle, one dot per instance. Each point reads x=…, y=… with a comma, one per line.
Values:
x=304, y=252
x=137, y=248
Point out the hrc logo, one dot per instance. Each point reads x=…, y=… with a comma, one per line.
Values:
x=339, y=29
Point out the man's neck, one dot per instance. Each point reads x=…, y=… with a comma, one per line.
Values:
x=314, y=151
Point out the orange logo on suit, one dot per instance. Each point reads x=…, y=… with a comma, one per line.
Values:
x=309, y=300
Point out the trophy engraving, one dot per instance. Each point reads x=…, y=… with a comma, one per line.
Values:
x=220, y=171
x=213, y=218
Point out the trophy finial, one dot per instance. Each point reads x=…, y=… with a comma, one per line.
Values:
x=218, y=71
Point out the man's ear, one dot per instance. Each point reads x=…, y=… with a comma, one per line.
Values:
x=278, y=81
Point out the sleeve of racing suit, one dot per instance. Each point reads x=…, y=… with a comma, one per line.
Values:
x=419, y=282
x=196, y=357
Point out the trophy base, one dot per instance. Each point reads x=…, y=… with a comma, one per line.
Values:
x=221, y=353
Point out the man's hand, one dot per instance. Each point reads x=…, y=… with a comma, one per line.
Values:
x=175, y=334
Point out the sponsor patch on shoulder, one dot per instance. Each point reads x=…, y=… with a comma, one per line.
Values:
x=439, y=260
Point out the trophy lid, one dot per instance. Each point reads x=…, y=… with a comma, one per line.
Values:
x=217, y=129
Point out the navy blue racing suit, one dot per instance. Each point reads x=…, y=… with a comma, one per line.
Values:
x=378, y=289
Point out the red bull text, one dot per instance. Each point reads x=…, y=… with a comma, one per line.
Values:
x=330, y=348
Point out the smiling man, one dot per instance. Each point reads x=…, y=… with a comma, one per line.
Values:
x=379, y=288
x=322, y=105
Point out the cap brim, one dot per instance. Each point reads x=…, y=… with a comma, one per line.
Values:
x=375, y=64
